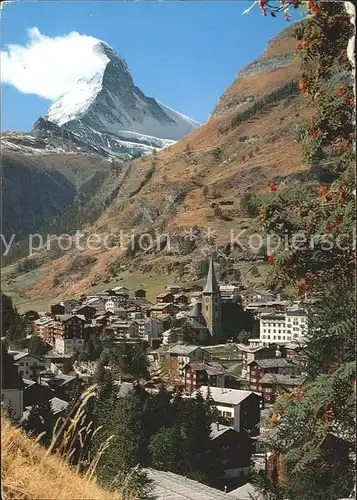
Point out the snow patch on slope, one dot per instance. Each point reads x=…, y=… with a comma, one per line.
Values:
x=75, y=103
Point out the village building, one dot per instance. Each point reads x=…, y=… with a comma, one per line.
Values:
x=63, y=386
x=260, y=367
x=180, y=356
x=120, y=290
x=180, y=299
x=173, y=289
x=36, y=393
x=11, y=384
x=238, y=409
x=251, y=353
x=195, y=296
x=149, y=328
x=228, y=292
x=140, y=293
x=272, y=383
x=87, y=311
x=284, y=326
x=163, y=308
x=28, y=365
x=113, y=304
x=65, y=307
x=165, y=297
x=68, y=333
x=42, y=325
x=122, y=330
x=30, y=316
x=234, y=450
x=198, y=374
x=97, y=302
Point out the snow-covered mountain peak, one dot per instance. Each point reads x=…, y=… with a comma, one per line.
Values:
x=110, y=110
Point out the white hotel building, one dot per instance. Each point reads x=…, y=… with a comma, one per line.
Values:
x=289, y=326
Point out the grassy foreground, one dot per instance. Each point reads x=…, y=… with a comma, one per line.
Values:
x=29, y=473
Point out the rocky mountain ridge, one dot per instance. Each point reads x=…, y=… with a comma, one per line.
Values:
x=109, y=111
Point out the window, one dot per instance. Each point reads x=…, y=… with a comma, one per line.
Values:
x=21, y=364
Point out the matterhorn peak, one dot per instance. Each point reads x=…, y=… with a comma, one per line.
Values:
x=107, y=109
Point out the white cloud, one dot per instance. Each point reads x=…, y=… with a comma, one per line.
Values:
x=49, y=67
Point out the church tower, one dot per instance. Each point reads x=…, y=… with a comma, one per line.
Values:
x=211, y=304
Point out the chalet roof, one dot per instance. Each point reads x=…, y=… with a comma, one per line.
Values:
x=218, y=429
x=274, y=362
x=84, y=306
x=28, y=383
x=292, y=346
x=211, y=283
x=296, y=312
x=60, y=380
x=280, y=379
x=125, y=388
x=164, y=294
x=93, y=300
x=196, y=311
x=246, y=492
x=273, y=315
x=162, y=305
x=183, y=350
x=167, y=485
x=43, y=320
x=65, y=317
x=225, y=395
x=163, y=317
x=58, y=405
x=250, y=348
x=209, y=368
x=55, y=355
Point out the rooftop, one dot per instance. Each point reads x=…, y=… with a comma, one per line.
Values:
x=210, y=368
x=196, y=311
x=250, y=348
x=280, y=379
x=225, y=395
x=162, y=305
x=211, y=283
x=167, y=485
x=274, y=362
x=58, y=405
x=183, y=349
x=17, y=355
x=246, y=492
x=219, y=429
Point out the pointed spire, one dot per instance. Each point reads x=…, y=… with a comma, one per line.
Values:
x=211, y=283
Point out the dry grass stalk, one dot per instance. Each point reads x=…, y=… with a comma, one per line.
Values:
x=29, y=473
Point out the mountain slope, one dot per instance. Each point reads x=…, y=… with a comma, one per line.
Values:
x=248, y=142
x=108, y=110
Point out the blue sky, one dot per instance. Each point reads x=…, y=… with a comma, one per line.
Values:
x=183, y=53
